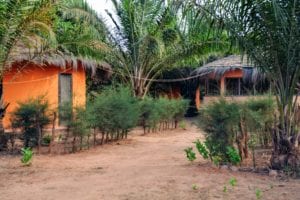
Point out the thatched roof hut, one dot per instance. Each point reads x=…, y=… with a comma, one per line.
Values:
x=217, y=69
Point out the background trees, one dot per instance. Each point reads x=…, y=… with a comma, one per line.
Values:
x=151, y=36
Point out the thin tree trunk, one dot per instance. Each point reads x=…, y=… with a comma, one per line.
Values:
x=53, y=132
x=102, y=138
x=74, y=145
x=95, y=136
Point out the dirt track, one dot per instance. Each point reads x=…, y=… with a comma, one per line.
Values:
x=143, y=167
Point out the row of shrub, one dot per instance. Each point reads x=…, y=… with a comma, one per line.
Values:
x=110, y=115
x=232, y=127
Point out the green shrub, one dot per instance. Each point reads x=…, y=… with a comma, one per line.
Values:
x=226, y=123
x=31, y=116
x=46, y=140
x=219, y=120
x=191, y=156
x=114, y=112
x=202, y=149
x=233, y=155
x=26, y=156
x=162, y=113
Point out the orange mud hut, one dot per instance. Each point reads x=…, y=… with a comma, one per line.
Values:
x=231, y=77
x=57, y=82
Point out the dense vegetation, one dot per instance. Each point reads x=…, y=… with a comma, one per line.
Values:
x=109, y=116
x=235, y=124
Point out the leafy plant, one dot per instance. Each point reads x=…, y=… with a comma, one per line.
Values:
x=233, y=155
x=26, y=156
x=258, y=194
x=31, y=116
x=182, y=125
x=233, y=182
x=225, y=188
x=191, y=156
x=202, y=149
x=46, y=140
x=195, y=187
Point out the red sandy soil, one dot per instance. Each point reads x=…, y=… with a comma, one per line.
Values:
x=143, y=167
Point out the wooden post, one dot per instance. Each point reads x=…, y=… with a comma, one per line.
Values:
x=222, y=86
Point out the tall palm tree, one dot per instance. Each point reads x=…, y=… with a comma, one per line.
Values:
x=149, y=37
x=268, y=31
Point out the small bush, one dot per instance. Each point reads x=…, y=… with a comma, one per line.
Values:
x=26, y=156
x=115, y=112
x=191, y=156
x=202, y=149
x=46, y=140
x=233, y=156
x=31, y=116
x=230, y=123
x=162, y=113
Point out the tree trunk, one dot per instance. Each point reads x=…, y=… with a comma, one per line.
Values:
x=285, y=151
x=95, y=136
x=53, y=133
x=102, y=139
x=74, y=145
x=242, y=140
x=39, y=130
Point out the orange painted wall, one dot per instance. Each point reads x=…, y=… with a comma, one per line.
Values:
x=231, y=74
x=197, y=98
x=20, y=85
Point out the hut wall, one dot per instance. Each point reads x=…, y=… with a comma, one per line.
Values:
x=32, y=81
x=230, y=74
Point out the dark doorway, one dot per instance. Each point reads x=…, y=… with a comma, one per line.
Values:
x=65, y=94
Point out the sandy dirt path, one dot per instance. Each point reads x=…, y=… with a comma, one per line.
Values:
x=143, y=167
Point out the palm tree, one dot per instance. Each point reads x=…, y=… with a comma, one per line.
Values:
x=149, y=37
x=39, y=30
x=269, y=33
x=20, y=21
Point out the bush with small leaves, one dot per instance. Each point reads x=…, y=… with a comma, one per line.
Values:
x=26, y=156
x=31, y=116
x=233, y=155
x=191, y=156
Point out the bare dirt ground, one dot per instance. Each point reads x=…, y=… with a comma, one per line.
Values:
x=143, y=167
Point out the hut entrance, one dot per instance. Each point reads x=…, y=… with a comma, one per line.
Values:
x=65, y=94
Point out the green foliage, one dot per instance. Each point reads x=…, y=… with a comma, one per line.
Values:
x=218, y=120
x=233, y=182
x=46, y=140
x=114, y=111
x=182, y=125
x=233, y=155
x=154, y=36
x=162, y=111
x=195, y=187
x=26, y=156
x=258, y=194
x=221, y=120
x=31, y=116
x=202, y=149
x=225, y=189
x=79, y=125
x=191, y=156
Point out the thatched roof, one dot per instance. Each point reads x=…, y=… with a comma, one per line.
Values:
x=36, y=54
x=218, y=68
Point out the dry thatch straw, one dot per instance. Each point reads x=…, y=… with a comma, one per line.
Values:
x=38, y=54
x=218, y=68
